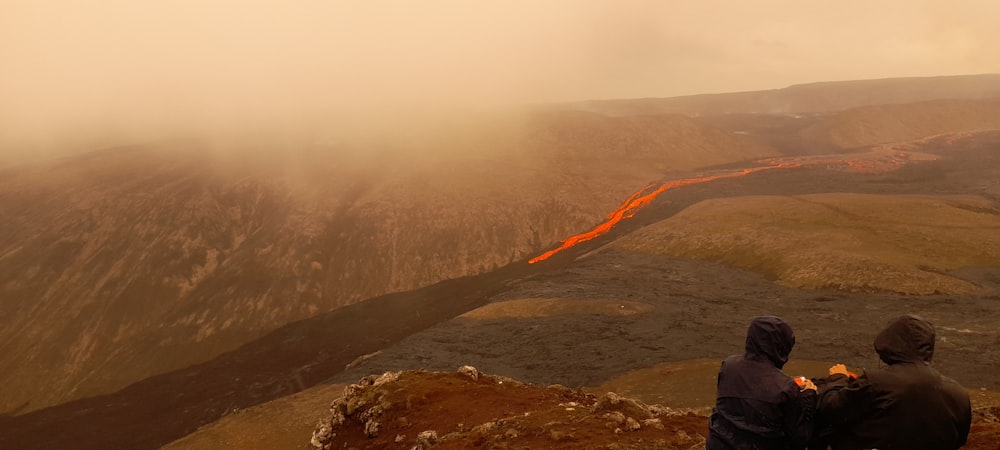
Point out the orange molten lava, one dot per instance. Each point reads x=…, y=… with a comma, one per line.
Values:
x=637, y=201
x=879, y=160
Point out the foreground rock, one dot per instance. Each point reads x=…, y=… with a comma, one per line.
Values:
x=467, y=409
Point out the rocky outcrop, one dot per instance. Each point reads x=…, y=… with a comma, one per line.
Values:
x=418, y=410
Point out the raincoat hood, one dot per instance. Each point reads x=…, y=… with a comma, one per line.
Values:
x=907, y=339
x=769, y=338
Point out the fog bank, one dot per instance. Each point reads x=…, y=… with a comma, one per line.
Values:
x=80, y=74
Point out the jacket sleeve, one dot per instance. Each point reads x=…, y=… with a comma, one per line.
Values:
x=965, y=422
x=963, y=431
x=799, y=417
x=843, y=400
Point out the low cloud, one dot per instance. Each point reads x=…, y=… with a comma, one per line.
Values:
x=83, y=74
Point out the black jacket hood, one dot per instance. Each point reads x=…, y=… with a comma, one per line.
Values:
x=769, y=338
x=907, y=339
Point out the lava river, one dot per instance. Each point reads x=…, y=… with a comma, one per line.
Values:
x=881, y=159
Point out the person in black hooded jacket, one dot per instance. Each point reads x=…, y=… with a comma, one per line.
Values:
x=758, y=407
x=906, y=405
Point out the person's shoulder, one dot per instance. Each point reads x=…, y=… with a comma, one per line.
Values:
x=895, y=374
x=950, y=381
x=954, y=386
x=732, y=359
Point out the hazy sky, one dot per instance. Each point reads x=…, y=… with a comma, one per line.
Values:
x=93, y=67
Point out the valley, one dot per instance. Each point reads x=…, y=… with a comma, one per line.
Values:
x=253, y=278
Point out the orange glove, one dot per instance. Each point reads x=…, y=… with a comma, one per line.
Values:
x=804, y=383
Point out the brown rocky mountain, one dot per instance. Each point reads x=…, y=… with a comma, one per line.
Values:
x=179, y=259
x=179, y=251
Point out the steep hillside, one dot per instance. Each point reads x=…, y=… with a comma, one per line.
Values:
x=809, y=98
x=894, y=123
x=181, y=251
x=866, y=243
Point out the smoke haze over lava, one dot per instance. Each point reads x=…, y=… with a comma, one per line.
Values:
x=266, y=195
x=83, y=75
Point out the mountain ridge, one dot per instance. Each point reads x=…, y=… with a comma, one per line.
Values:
x=808, y=98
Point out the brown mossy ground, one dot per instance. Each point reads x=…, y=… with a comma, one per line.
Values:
x=852, y=242
x=500, y=413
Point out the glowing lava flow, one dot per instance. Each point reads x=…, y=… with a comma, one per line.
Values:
x=640, y=199
x=881, y=159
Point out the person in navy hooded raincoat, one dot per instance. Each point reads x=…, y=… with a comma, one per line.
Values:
x=758, y=407
x=905, y=405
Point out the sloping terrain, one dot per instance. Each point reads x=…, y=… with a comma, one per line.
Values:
x=184, y=250
x=865, y=243
x=658, y=144
x=809, y=98
x=943, y=240
x=880, y=124
x=278, y=424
